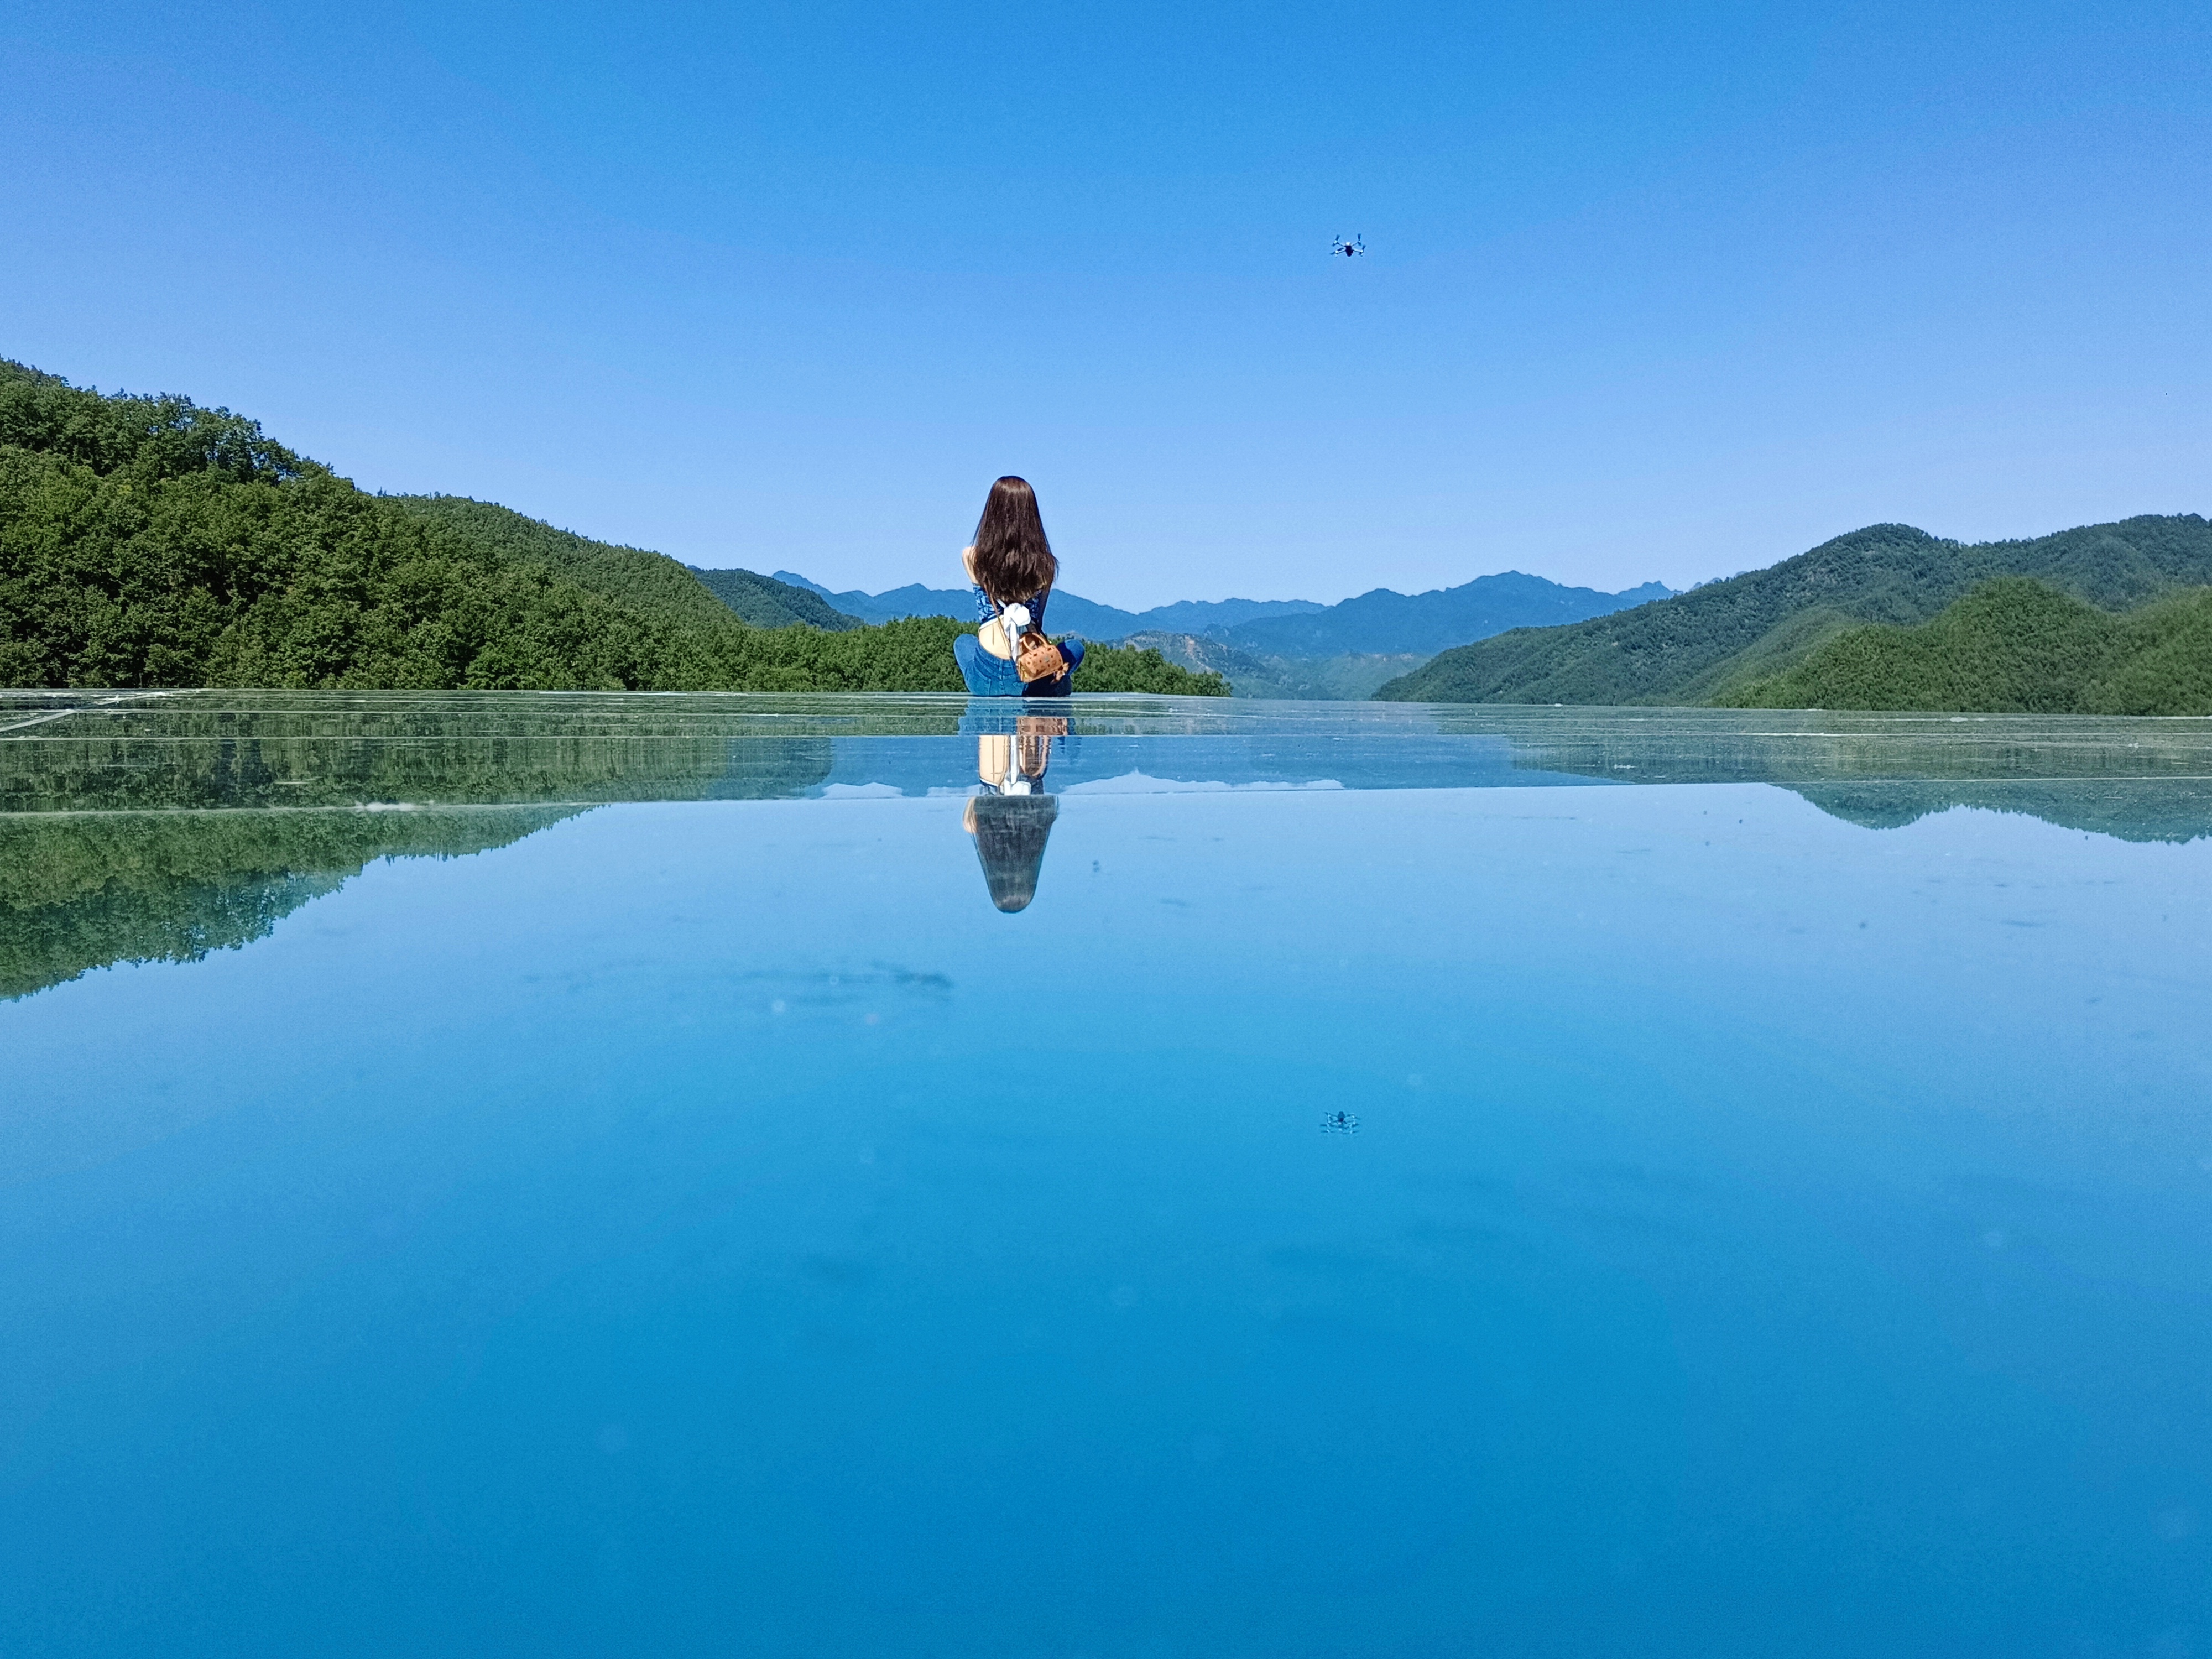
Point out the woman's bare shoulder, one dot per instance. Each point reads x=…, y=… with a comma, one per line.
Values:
x=968, y=561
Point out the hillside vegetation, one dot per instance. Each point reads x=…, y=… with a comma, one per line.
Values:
x=1706, y=645
x=652, y=583
x=2014, y=645
x=147, y=542
x=629, y=574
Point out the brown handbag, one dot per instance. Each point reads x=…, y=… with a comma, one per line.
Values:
x=1036, y=657
x=1033, y=736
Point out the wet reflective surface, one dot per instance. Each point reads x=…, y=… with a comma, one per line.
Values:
x=850, y=1175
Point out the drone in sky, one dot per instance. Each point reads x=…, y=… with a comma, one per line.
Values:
x=1347, y=249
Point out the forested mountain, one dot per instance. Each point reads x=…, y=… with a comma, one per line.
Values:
x=629, y=574
x=651, y=582
x=145, y=541
x=2014, y=644
x=1703, y=645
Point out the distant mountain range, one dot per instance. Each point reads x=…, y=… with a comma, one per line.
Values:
x=1740, y=639
x=1382, y=623
x=1424, y=624
x=1348, y=675
x=1070, y=613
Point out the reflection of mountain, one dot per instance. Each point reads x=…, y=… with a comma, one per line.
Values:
x=2147, y=809
x=1093, y=761
x=2135, y=779
x=82, y=889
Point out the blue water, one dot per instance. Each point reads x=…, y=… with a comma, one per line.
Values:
x=1385, y=1219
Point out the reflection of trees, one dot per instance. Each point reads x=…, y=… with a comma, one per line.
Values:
x=80, y=891
x=109, y=851
x=124, y=771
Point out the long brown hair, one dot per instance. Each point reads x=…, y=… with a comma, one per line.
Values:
x=1013, y=560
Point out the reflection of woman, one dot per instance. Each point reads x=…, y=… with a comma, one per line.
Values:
x=1010, y=833
x=1013, y=763
x=1011, y=816
x=1012, y=569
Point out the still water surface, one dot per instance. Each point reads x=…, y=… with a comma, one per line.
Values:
x=1404, y=1185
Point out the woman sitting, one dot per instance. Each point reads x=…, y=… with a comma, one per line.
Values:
x=1012, y=568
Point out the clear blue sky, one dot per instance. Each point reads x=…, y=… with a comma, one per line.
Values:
x=1653, y=292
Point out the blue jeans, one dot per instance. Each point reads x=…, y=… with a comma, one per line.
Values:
x=994, y=677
